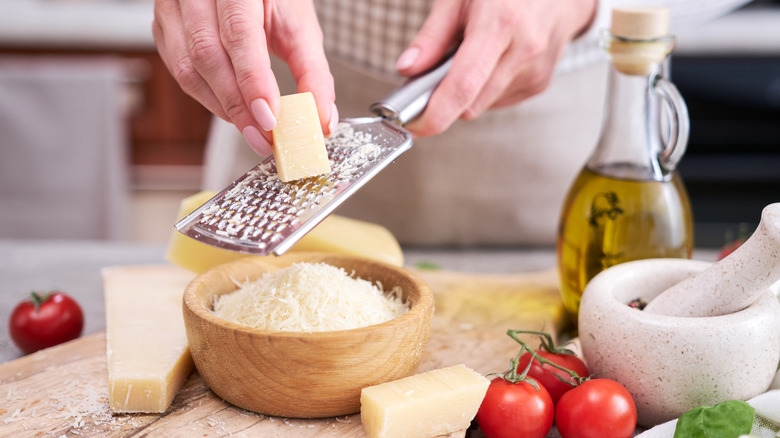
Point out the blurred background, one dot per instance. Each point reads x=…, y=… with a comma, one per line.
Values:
x=98, y=142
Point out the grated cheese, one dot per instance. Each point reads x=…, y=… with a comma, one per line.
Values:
x=79, y=407
x=309, y=297
x=246, y=210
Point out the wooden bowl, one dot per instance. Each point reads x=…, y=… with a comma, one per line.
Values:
x=303, y=375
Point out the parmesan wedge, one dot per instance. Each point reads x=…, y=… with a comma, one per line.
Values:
x=147, y=354
x=299, y=146
x=430, y=404
x=354, y=237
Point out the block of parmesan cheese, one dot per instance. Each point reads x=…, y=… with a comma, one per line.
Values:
x=188, y=253
x=299, y=146
x=335, y=234
x=349, y=236
x=147, y=355
x=430, y=404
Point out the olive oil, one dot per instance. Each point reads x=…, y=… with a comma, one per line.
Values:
x=607, y=220
x=628, y=203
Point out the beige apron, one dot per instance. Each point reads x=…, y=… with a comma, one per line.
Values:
x=497, y=180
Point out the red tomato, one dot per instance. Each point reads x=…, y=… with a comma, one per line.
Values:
x=596, y=408
x=44, y=321
x=728, y=249
x=512, y=410
x=545, y=373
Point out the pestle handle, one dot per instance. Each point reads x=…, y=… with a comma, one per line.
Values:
x=733, y=283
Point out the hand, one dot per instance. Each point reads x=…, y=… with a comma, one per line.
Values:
x=508, y=50
x=219, y=53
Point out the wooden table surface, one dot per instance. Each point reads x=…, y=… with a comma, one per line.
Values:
x=62, y=391
x=74, y=266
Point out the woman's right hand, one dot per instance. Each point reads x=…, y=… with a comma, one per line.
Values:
x=507, y=52
x=219, y=53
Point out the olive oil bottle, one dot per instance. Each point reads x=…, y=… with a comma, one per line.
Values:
x=628, y=203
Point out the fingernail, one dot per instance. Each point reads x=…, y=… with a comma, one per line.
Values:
x=256, y=141
x=334, y=118
x=407, y=58
x=263, y=114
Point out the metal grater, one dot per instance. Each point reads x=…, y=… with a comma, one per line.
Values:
x=260, y=214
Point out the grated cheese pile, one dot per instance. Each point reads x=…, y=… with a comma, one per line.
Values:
x=309, y=297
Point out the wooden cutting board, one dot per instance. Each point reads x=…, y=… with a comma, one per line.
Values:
x=62, y=391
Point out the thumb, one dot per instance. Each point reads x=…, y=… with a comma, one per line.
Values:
x=297, y=40
x=438, y=35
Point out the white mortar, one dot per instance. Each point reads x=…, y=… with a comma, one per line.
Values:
x=672, y=364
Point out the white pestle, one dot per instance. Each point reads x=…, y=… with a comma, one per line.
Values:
x=733, y=283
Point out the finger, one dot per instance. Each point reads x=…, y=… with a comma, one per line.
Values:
x=259, y=141
x=299, y=43
x=241, y=32
x=311, y=72
x=438, y=35
x=523, y=82
x=168, y=33
x=514, y=79
x=472, y=67
x=210, y=60
x=527, y=67
x=496, y=85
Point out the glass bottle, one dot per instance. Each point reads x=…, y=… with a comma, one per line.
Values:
x=628, y=203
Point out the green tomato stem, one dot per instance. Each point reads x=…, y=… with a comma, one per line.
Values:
x=514, y=377
x=38, y=299
x=514, y=335
x=546, y=341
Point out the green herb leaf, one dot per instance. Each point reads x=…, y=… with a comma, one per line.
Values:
x=724, y=420
x=427, y=265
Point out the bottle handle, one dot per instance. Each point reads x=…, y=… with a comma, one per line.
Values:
x=679, y=124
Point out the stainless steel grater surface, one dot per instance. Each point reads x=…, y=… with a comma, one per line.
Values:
x=260, y=214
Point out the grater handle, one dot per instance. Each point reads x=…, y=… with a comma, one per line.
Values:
x=409, y=100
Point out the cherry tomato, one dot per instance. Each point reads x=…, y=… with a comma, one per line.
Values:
x=545, y=373
x=512, y=410
x=728, y=249
x=596, y=408
x=742, y=234
x=43, y=321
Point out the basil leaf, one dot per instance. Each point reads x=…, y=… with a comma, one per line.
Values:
x=427, y=265
x=724, y=420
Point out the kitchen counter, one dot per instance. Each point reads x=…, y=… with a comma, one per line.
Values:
x=74, y=267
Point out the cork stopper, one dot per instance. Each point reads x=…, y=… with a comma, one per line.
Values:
x=640, y=39
x=640, y=23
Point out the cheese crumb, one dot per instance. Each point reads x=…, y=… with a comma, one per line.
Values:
x=309, y=297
